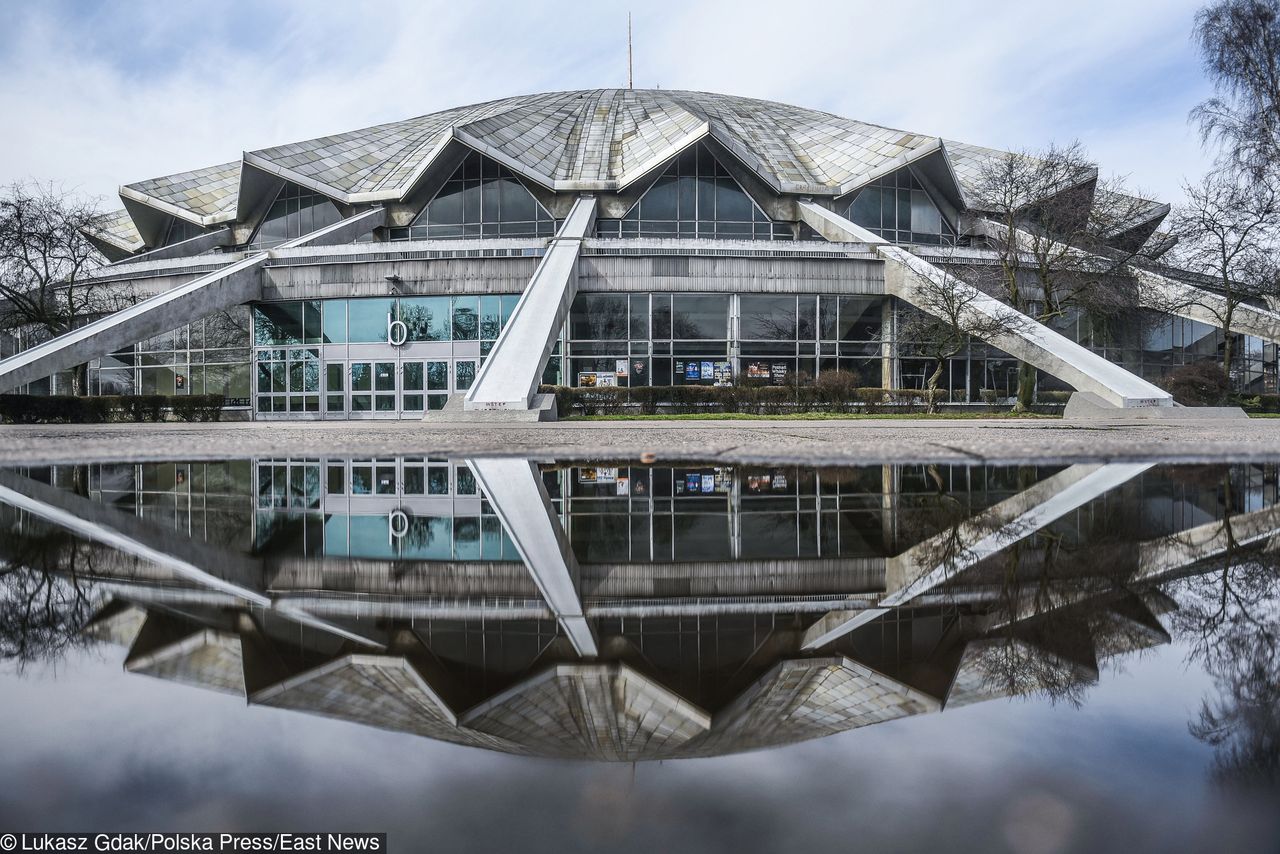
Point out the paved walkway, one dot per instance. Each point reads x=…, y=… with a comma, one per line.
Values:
x=844, y=442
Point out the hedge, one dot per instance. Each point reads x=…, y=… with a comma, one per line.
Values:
x=753, y=400
x=1261, y=403
x=66, y=409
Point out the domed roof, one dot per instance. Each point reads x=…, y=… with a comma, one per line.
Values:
x=589, y=140
x=601, y=139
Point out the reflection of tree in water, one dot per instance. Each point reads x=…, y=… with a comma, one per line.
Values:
x=44, y=600
x=1243, y=722
x=1230, y=617
x=1049, y=594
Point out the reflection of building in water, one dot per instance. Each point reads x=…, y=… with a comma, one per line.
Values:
x=632, y=612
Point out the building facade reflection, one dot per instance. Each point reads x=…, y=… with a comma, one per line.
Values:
x=627, y=612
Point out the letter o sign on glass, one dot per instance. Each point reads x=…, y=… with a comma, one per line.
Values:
x=397, y=333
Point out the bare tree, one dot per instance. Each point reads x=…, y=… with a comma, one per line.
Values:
x=1239, y=43
x=1045, y=216
x=1229, y=236
x=45, y=259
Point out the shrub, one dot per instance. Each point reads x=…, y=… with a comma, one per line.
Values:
x=834, y=395
x=1198, y=384
x=66, y=409
x=837, y=389
x=197, y=407
x=1053, y=396
x=52, y=409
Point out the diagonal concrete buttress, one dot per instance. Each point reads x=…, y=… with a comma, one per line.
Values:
x=1167, y=555
x=512, y=371
x=1184, y=300
x=518, y=497
x=204, y=564
x=1026, y=340
x=234, y=284
x=939, y=559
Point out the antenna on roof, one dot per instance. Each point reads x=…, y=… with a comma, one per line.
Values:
x=630, y=81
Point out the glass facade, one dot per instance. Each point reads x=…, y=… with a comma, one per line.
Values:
x=368, y=320
x=696, y=197
x=335, y=508
x=374, y=357
x=481, y=199
x=716, y=339
x=207, y=356
x=295, y=212
x=1151, y=346
x=898, y=208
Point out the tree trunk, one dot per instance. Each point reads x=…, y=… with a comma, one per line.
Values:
x=1228, y=347
x=1026, y=387
x=932, y=386
x=80, y=380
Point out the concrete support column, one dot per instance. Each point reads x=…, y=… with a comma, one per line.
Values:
x=509, y=378
x=937, y=560
x=515, y=491
x=1024, y=339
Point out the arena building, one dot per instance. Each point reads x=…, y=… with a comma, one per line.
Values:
x=458, y=260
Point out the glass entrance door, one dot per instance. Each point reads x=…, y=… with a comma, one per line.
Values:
x=374, y=389
x=384, y=389
x=412, y=386
x=437, y=384
x=391, y=388
x=464, y=373
x=335, y=390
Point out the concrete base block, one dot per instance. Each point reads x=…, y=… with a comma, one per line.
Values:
x=543, y=408
x=1087, y=406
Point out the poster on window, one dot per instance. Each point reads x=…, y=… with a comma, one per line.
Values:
x=723, y=374
x=708, y=370
x=606, y=380
x=637, y=371
x=757, y=371
x=693, y=482
x=620, y=368
x=624, y=486
x=708, y=484
x=586, y=379
x=691, y=371
x=606, y=475
x=778, y=373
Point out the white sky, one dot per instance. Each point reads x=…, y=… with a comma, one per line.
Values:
x=97, y=95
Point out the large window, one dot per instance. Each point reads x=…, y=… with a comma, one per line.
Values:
x=206, y=356
x=695, y=197
x=289, y=380
x=481, y=199
x=180, y=230
x=897, y=208
x=693, y=339
x=294, y=213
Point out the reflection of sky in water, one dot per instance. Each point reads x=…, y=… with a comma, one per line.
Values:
x=93, y=748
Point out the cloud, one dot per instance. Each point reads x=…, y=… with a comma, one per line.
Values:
x=107, y=94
